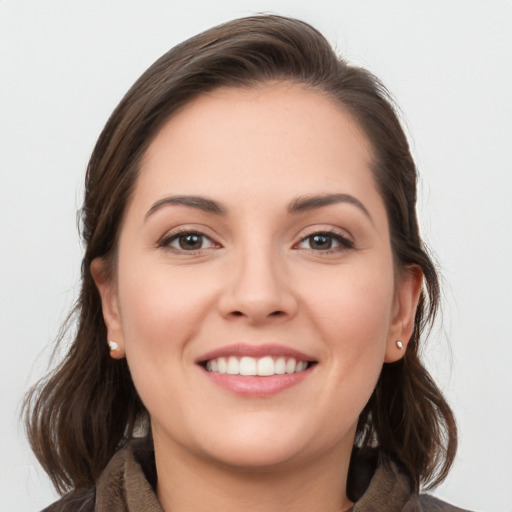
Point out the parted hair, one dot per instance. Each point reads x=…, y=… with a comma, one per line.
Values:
x=79, y=414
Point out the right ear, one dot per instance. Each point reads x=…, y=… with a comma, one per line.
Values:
x=109, y=305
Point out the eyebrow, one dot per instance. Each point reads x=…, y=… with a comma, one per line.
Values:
x=299, y=205
x=306, y=203
x=200, y=203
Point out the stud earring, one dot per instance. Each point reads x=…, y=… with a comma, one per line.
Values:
x=113, y=345
x=399, y=344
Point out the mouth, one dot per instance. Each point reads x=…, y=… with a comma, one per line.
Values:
x=265, y=366
x=256, y=370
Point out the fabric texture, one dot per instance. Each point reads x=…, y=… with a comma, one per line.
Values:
x=375, y=483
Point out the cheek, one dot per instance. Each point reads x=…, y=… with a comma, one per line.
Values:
x=355, y=304
x=160, y=308
x=354, y=316
x=161, y=312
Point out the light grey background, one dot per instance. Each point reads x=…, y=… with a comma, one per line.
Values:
x=64, y=65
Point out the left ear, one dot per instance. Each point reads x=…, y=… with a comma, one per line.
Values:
x=407, y=296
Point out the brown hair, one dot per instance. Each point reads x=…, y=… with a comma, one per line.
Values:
x=78, y=416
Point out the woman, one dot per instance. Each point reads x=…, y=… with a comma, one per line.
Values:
x=254, y=291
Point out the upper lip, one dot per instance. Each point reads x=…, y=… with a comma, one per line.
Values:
x=243, y=349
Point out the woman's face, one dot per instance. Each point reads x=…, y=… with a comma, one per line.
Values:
x=255, y=297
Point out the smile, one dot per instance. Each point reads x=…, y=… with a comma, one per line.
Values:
x=256, y=366
x=254, y=370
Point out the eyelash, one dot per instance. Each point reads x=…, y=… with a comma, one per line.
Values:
x=344, y=242
x=167, y=241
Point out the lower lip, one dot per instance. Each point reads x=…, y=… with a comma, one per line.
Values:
x=255, y=386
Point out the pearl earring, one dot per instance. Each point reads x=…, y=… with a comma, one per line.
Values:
x=399, y=344
x=113, y=345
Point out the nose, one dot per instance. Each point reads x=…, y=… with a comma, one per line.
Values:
x=258, y=289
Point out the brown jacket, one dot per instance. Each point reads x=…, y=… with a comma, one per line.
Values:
x=127, y=484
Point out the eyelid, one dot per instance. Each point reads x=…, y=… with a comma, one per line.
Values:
x=325, y=228
x=165, y=241
x=345, y=240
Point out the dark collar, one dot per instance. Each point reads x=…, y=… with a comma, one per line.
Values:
x=128, y=483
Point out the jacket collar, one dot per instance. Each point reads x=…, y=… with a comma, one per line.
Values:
x=128, y=483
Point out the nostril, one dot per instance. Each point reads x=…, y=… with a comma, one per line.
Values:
x=274, y=313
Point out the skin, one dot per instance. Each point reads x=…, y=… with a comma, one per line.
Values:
x=258, y=278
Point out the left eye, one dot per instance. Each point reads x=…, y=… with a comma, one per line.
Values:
x=188, y=242
x=325, y=242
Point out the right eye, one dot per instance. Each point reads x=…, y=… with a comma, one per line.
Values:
x=187, y=241
x=326, y=242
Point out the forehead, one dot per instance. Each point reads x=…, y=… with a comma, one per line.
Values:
x=281, y=140
x=293, y=113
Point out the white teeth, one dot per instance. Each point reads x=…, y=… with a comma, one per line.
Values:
x=247, y=366
x=290, y=365
x=263, y=366
x=280, y=365
x=233, y=366
x=222, y=365
x=266, y=366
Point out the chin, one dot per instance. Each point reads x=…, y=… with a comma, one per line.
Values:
x=270, y=447
x=257, y=457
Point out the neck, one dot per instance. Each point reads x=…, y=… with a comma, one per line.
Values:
x=186, y=482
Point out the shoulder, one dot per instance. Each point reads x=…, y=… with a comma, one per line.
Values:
x=431, y=504
x=378, y=481
x=75, y=501
x=127, y=483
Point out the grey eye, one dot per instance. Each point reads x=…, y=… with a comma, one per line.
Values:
x=188, y=242
x=320, y=241
x=325, y=242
